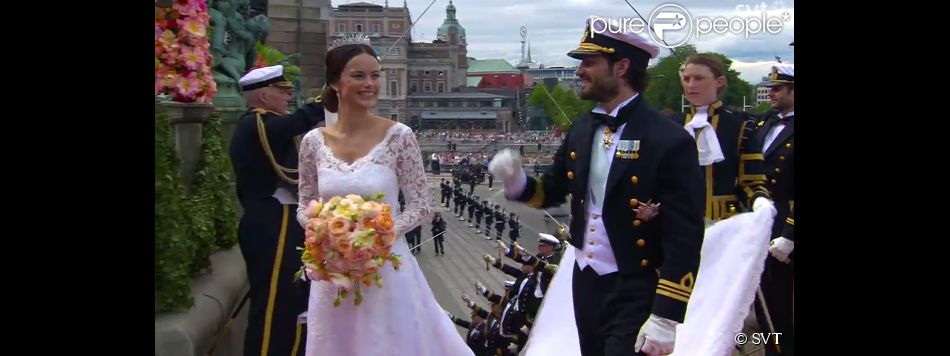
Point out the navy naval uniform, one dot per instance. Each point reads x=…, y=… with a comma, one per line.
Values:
x=778, y=277
x=489, y=218
x=499, y=222
x=264, y=155
x=732, y=184
x=651, y=264
x=514, y=228
x=445, y=190
x=479, y=212
x=476, y=337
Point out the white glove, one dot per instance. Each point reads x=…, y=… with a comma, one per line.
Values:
x=488, y=258
x=657, y=336
x=780, y=248
x=513, y=348
x=524, y=329
x=763, y=203
x=468, y=301
x=480, y=288
x=506, y=167
x=501, y=245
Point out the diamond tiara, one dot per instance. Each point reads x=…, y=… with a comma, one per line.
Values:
x=356, y=38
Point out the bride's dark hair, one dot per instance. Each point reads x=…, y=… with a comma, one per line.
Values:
x=336, y=61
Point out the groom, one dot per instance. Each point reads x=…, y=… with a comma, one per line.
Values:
x=636, y=202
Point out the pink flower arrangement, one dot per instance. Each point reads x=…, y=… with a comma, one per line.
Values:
x=183, y=62
x=347, y=240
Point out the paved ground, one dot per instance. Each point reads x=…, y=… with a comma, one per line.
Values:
x=455, y=273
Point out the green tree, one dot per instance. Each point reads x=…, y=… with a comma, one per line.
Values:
x=761, y=108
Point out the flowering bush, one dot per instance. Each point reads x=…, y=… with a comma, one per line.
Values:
x=182, y=59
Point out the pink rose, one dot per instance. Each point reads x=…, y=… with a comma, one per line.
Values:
x=361, y=254
x=336, y=265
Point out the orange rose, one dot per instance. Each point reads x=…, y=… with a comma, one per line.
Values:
x=340, y=226
x=366, y=224
x=384, y=223
x=342, y=243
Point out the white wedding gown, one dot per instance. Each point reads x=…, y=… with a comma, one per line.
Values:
x=403, y=317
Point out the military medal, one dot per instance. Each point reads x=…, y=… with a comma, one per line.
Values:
x=608, y=138
x=627, y=149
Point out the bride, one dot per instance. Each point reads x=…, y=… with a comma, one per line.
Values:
x=365, y=154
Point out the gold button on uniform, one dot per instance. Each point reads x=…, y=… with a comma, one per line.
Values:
x=644, y=263
x=634, y=203
x=641, y=243
x=573, y=155
x=570, y=175
x=788, y=145
x=634, y=179
x=781, y=158
x=778, y=170
x=774, y=181
x=636, y=222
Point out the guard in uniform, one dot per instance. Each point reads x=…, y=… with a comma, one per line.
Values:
x=636, y=198
x=476, y=336
x=457, y=198
x=499, y=222
x=776, y=133
x=445, y=190
x=514, y=226
x=731, y=161
x=462, y=203
x=489, y=218
x=264, y=155
x=472, y=203
x=479, y=212
x=438, y=227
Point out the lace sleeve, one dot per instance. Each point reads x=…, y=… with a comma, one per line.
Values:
x=412, y=181
x=307, y=186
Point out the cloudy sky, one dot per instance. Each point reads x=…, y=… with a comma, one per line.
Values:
x=556, y=26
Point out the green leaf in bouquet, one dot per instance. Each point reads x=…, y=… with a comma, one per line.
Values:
x=380, y=196
x=379, y=281
x=359, y=296
x=344, y=294
x=336, y=302
x=298, y=274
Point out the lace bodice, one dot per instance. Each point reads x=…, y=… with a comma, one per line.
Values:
x=393, y=164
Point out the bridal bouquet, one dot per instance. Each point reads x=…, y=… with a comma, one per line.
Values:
x=347, y=240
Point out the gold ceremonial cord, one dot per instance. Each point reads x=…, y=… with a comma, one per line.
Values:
x=593, y=47
x=262, y=133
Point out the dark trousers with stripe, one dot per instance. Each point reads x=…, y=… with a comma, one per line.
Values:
x=610, y=309
x=269, y=236
x=777, y=287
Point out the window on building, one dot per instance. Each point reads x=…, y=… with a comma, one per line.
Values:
x=426, y=73
x=375, y=28
x=395, y=117
x=440, y=87
x=503, y=85
x=441, y=73
x=413, y=87
x=426, y=87
x=391, y=72
x=393, y=88
x=341, y=27
x=359, y=28
x=394, y=51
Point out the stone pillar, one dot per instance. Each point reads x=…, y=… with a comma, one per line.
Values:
x=187, y=120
